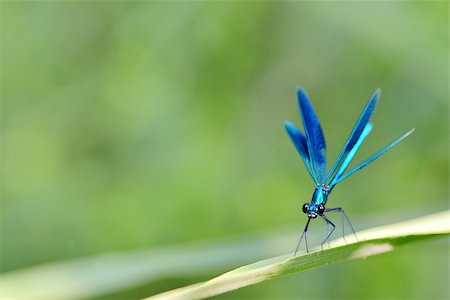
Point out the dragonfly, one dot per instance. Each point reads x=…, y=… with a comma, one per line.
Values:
x=312, y=149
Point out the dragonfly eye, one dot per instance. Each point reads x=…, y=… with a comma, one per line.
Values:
x=305, y=208
x=320, y=209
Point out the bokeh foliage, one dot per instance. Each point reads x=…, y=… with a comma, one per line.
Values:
x=128, y=125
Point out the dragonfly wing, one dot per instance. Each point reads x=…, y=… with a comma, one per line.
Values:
x=351, y=154
x=299, y=141
x=314, y=138
x=375, y=156
x=354, y=137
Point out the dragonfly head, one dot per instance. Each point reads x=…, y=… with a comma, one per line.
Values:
x=313, y=210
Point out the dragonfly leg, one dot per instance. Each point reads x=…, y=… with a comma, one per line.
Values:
x=328, y=232
x=343, y=215
x=331, y=232
x=305, y=231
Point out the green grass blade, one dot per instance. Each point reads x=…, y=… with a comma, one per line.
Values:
x=372, y=242
x=112, y=272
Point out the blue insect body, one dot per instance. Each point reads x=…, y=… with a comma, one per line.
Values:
x=312, y=148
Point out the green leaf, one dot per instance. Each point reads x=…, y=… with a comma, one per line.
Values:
x=372, y=242
x=111, y=272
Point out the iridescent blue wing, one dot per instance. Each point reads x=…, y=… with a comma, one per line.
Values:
x=375, y=156
x=351, y=154
x=314, y=138
x=299, y=141
x=359, y=133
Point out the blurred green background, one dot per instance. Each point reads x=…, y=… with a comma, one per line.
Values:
x=141, y=124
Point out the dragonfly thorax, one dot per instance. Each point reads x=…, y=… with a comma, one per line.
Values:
x=320, y=195
x=318, y=201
